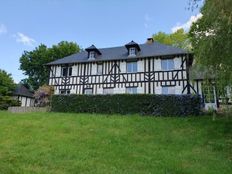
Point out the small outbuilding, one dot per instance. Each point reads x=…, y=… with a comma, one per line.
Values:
x=24, y=95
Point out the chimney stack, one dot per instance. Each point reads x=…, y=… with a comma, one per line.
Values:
x=150, y=40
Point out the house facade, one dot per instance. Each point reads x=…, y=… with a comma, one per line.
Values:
x=150, y=68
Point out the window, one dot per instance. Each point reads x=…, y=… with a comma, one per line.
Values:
x=167, y=64
x=91, y=55
x=99, y=69
x=132, y=90
x=108, y=90
x=168, y=90
x=64, y=91
x=131, y=67
x=132, y=51
x=88, y=91
x=66, y=71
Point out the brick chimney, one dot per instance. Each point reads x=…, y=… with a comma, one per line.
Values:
x=150, y=40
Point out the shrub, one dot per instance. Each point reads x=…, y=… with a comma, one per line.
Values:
x=43, y=95
x=8, y=101
x=157, y=105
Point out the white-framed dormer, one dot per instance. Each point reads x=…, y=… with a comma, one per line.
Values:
x=92, y=55
x=132, y=51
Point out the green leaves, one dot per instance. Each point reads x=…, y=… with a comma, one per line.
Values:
x=211, y=38
x=178, y=39
x=32, y=62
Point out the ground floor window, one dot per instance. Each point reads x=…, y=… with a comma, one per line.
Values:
x=131, y=90
x=108, y=90
x=64, y=91
x=168, y=90
x=88, y=91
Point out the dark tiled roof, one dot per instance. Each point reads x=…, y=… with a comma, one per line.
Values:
x=117, y=53
x=21, y=90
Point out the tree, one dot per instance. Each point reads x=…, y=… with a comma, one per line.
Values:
x=7, y=85
x=211, y=38
x=32, y=62
x=178, y=39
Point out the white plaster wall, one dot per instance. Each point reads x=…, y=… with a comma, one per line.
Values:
x=157, y=64
x=177, y=63
x=123, y=67
x=140, y=65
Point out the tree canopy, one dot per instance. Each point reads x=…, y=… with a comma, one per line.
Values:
x=32, y=62
x=211, y=38
x=178, y=39
x=6, y=83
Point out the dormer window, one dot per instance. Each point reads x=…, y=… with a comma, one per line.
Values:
x=133, y=48
x=93, y=52
x=91, y=55
x=132, y=51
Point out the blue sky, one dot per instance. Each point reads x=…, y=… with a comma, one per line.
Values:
x=24, y=24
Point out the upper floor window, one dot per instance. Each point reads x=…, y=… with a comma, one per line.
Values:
x=131, y=67
x=99, y=69
x=91, y=55
x=88, y=91
x=66, y=71
x=132, y=51
x=108, y=90
x=167, y=64
x=131, y=90
x=168, y=90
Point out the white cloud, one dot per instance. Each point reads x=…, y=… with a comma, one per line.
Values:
x=3, y=29
x=24, y=39
x=186, y=26
x=147, y=21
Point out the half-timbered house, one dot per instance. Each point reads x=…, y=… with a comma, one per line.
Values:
x=150, y=68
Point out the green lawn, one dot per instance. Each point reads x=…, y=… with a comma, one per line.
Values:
x=80, y=143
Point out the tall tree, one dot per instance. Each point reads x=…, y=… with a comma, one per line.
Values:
x=6, y=83
x=178, y=39
x=32, y=62
x=212, y=39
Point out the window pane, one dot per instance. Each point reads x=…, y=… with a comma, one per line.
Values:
x=132, y=90
x=64, y=71
x=164, y=65
x=170, y=64
x=88, y=91
x=108, y=90
x=131, y=67
x=99, y=69
x=164, y=90
x=70, y=71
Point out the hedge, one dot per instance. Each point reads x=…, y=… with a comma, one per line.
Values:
x=8, y=101
x=144, y=104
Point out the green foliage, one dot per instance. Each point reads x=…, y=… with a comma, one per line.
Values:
x=64, y=143
x=7, y=101
x=158, y=105
x=32, y=62
x=211, y=38
x=6, y=83
x=178, y=39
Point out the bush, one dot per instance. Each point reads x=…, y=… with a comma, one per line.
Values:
x=157, y=105
x=8, y=101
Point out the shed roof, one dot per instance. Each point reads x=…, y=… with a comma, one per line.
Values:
x=21, y=90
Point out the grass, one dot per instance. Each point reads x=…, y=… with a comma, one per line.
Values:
x=80, y=143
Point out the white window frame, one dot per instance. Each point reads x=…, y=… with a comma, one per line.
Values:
x=132, y=51
x=167, y=90
x=131, y=90
x=99, y=69
x=131, y=67
x=167, y=64
x=107, y=91
x=88, y=91
x=91, y=55
x=69, y=71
